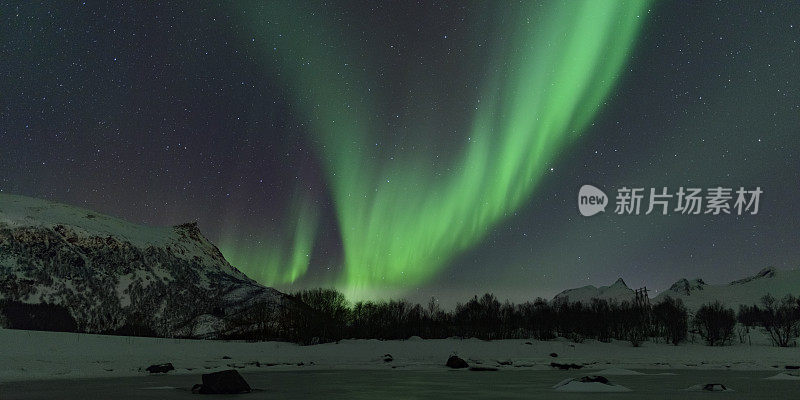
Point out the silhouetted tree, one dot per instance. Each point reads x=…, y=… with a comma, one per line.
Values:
x=715, y=323
x=38, y=317
x=332, y=310
x=324, y=315
x=780, y=320
x=749, y=316
x=671, y=320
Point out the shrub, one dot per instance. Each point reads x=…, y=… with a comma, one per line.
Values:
x=715, y=323
x=636, y=336
x=671, y=320
x=780, y=320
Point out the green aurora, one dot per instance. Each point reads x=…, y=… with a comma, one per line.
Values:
x=402, y=221
x=283, y=255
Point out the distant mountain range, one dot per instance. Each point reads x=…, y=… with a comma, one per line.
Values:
x=618, y=291
x=696, y=292
x=110, y=275
x=746, y=291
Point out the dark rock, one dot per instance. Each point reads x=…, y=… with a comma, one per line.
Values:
x=553, y=355
x=792, y=367
x=222, y=382
x=507, y=362
x=388, y=358
x=565, y=366
x=160, y=368
x=38, y=317
x=594, y=378
x=226, y=357
x=714, y=387
x=456, y=362
x=529, y=343
x=482, y=369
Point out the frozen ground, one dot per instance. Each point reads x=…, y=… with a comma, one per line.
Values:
x=390, y=384
x=46, y=365
x=31, y=355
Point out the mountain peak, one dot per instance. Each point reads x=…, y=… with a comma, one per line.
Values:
x=617, y=291
x=686, y=287
x=747, y=291
x=768, y=272
x=190, y=226
x=171, y=280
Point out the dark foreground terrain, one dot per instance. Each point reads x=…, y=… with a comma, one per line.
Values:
x=408, y=384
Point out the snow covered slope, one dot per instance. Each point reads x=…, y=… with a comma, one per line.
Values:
x=619, y=291
x=747, y=291
x=30, y=355
x=110, y=274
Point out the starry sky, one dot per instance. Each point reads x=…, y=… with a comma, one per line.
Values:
x=415, y=149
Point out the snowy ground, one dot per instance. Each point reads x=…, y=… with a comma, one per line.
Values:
x=31, y=355
x=389, y=384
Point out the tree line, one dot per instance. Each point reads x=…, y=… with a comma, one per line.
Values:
x=325, y=315
x=330, y=317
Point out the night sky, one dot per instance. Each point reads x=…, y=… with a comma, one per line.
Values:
x=416, y=149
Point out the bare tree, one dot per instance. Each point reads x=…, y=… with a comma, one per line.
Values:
x=671, y=320
x=715, y=323
x=781, y=320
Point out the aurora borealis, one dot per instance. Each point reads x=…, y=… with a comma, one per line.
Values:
x=401, y=223
x=414, y=149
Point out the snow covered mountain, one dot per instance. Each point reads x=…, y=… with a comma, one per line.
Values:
x=110, y=275
x=746, y=291
x=697, y=292
x=618, y=291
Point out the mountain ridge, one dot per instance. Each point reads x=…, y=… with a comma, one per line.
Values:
x=695, y=292
x=618, y=291
x=747, y=291
x=110, y=274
